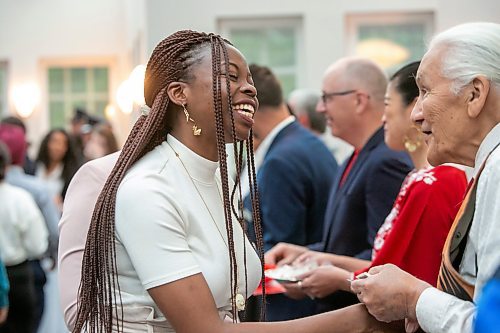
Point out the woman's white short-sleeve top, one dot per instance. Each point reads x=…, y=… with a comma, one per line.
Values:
x=170, y=224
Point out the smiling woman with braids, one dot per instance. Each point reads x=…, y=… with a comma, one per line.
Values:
x=165, y=251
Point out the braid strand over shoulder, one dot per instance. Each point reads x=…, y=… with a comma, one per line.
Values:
x=171, y=60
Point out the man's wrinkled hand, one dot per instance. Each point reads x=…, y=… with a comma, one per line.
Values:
x=389, y=293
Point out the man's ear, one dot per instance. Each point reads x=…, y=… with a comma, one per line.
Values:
x=361, y=101
x=176, y=93
x=477, y=94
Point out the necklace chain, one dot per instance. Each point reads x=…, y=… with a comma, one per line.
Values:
x=239, y=299
x=201, y=197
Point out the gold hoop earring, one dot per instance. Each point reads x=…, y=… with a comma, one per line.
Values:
x=196, y=130
x=411, y=145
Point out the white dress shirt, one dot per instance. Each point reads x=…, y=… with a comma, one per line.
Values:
x=261, y=152
x=440, y=312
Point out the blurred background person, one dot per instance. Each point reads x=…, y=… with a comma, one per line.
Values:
x=78, y=126
x=302, y=103
x=29, y=165
x=57, y=163
x=23, y=237
x=294, y=180
x=4, y=289
x=102, y=142
x=15, y=140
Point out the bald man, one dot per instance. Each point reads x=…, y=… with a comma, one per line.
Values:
x=366, y=184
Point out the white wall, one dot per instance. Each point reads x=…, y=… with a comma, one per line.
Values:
x=453, y=12
x=36, y=32
x=324, y=21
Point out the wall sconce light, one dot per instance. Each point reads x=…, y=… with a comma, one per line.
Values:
x=124, y=98
x=136, y=80
x=110, y=111
x=131, y=91
x=26, y=97
x=384, y=52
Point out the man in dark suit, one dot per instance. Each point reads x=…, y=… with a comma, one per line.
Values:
x=294, y=180
x=367, y=183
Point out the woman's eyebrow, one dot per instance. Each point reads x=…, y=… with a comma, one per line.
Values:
x=231, y=64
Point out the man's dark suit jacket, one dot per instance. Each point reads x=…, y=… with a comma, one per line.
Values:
x=357, y=209
x=294, y=181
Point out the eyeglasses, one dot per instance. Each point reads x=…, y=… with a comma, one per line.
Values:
x=326, y=96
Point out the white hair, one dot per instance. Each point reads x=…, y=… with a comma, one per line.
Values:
x=472, y=50
x=303, y=100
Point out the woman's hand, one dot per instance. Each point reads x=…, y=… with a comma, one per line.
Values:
x=283, y=253
x=320, y=258
x=324, y=280
x=3, y=314
x=294, y=290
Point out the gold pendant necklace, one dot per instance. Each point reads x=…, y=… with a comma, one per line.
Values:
x=239, y=299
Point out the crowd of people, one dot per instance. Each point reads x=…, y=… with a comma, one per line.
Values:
x=162, y=237
x=32, y=195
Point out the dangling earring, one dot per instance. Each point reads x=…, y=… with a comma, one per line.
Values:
x=412, y=145
x=196, y=130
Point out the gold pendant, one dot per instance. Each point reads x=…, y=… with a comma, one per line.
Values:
x=240, y=302
x=196, y=130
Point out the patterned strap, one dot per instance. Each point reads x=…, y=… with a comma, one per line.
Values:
x=449, y=279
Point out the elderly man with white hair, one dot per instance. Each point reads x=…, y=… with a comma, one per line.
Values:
x=458, y=110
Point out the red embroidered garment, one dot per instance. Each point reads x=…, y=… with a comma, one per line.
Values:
x=413, y=234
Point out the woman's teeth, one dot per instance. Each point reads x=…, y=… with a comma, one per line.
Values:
x=246, y=107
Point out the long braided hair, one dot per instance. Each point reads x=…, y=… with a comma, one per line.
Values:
x=171, y=61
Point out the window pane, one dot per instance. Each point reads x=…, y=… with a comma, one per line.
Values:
x=99, y=107
x=281, y=44
x=275, y=47
x=72, y=87
x=250, y=43
x=100, y=79
x=56, y=112
x=78, y=80
x=79, y=104
x=392, y=45
x=56, y=80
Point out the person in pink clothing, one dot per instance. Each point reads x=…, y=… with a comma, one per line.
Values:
x=82, y=196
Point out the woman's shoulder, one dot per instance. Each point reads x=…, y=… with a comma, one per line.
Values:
x=438, y=180
x=153, y=177
x=450, y=174
x=151, y=165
